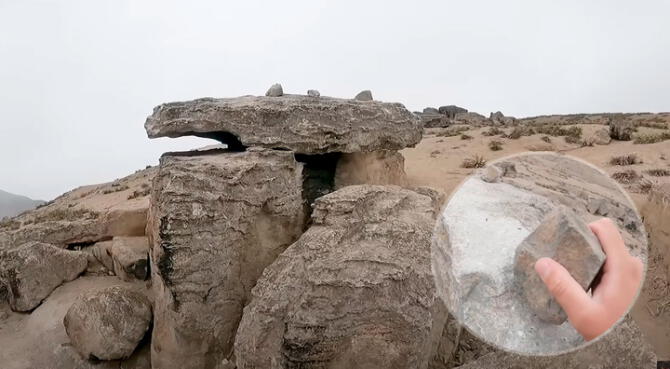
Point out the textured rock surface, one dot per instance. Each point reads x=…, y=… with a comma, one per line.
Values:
x=298, y=123
x=430, y=110
x=451, y=110
x=622, y=348
x=601, y=136
x=275, y=90
x=218, y=221
x=564, y=237
x=108, y=324
x=492, y=174
x=621, y=129
x=365, y=95
x=85, y=215
x=31, y=271
x=131, y=257
x=354, y=291
x=379, y=167
x=313, y=93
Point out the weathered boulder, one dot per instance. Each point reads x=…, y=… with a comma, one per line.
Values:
x=564, y=237
x=294, y=122
x=102, y=251
x=31, y=271
x=108, y=324
x=85, y=215
x=451, y=110
x=601, y=136
x=378, y=167
x=217, y=221
x=313, y=93
x=365, y=95
x=275, y=91
x=355, y=290
x=434, y=120
x=621, y=129
x=430, y=110
x=498, y=118
x=131, y=257
x=622, y=348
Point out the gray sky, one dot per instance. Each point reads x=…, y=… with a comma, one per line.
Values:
x=78, y=78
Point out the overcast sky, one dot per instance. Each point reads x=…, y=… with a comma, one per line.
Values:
x=78, y=78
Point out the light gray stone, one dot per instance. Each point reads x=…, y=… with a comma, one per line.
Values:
x=492, y=174
x=108, y=324
x=313, y=93
x=430, y=110
x=294, y=122
x=31, y=271
x=275, y=91
x=565, y=238
x=217, y=221
x=451, y=110
x=355, y=291
x=131, y=257
x=621, y=129
x=365, y=95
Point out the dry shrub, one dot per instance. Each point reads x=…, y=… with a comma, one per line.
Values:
x=546, y=139
x=645, y=186
x=660, y=172
x=651, y=138
x=572, y=140
x=493, y=131
x=495, y=145
x=556, y=130
x=519, y=131
x=452, y=131
x=626, y=177
x=629, y=159
x=466, y=137
x=476, y=161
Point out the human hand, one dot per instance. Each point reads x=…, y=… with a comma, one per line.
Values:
x=622, y=274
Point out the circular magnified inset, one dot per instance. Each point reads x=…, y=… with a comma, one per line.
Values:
x=506, y=216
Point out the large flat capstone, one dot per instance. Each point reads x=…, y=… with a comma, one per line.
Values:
x=294, y=122
x=217, y=220
x=565, y=238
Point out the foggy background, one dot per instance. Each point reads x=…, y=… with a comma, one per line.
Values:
x=78, y=78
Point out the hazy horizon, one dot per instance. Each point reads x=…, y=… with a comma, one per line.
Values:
x=79, y=78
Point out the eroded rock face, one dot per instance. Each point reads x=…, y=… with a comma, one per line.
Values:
x=379, y=167
x=622, y=348
x=108, y=324
x=131, y=257
x=293, y=122
x=452, y=110
x=355, y=290
x=621, y=129
x=365, y=95
x=217, y=222
x=565, y=238
x=85, y=215
x=31, y=271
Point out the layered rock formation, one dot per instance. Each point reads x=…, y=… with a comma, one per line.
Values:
x=369, y=245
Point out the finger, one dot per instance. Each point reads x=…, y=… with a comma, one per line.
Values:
x=610, y=238
x=567, y=292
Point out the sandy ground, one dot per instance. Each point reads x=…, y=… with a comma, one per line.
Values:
x=436, y=162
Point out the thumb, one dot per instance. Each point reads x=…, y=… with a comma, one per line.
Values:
x=567, y=292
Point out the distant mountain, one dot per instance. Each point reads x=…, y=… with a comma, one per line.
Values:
x=11, y=205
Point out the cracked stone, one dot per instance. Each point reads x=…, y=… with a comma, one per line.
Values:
x=565, y=238
x=275, y=91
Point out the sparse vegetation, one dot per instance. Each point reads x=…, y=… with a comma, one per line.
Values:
x=115, y=188
x=495, y=145
x=452, y=131
x=466, y=137
x=651, y=138
x=626, y=177
x=556, y=130
x=572, y=140
x=659, y=172
x=645, y=186
x=493, y=131
x=623, y=160
x=476, y=161
x=546, y=139
x=653, y=123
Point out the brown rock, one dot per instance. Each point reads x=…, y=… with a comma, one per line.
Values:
x=31, y=271
x=565, y=238
x=295, y=122
x=131, y=257
x=217, y=222
x=356, y=289
x=379, y=167
x=108, y=324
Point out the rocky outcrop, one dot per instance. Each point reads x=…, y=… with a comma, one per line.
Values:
x=85, y=215
x=621, y=129
x=30, y=272
x=600, y=136
x=622, y=348
x=293, y=122
x=365, y=95
x=108, y=324
x=217, y=221
x=130, y=256
x=379, y=167
x=451, y=110
x=354, y=291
